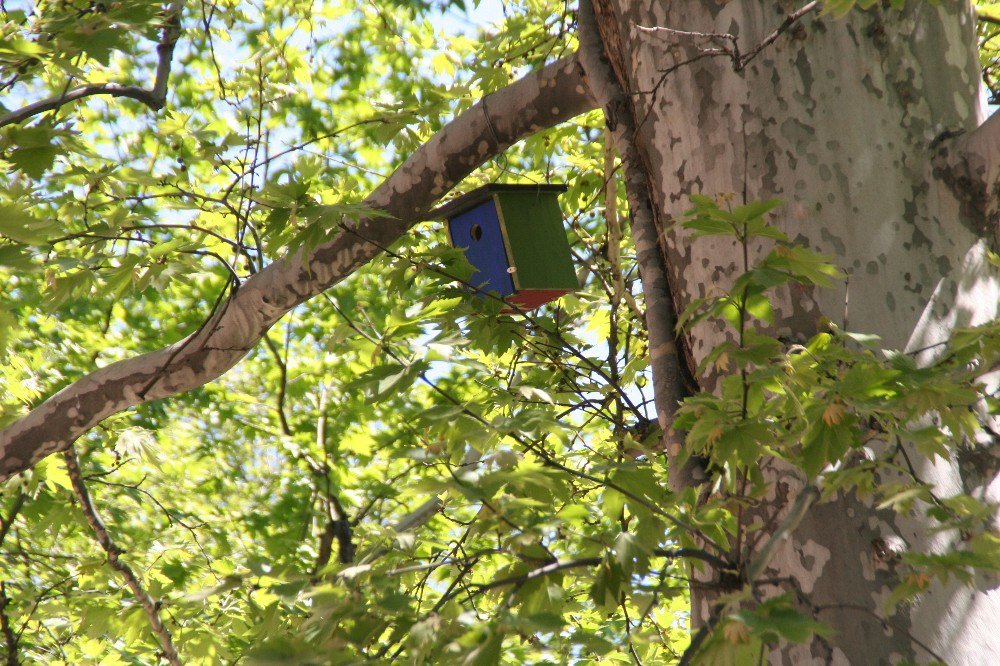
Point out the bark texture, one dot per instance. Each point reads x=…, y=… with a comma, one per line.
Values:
x=864, y=126
x=541, y=99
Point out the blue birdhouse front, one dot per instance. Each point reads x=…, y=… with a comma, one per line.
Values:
x=513, y=236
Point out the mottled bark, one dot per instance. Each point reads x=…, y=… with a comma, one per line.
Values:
x=866, y=127
x=541, y=99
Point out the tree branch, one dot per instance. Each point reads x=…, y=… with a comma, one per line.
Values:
x=101, y=533
x=553, y=567
x=282, y=364
x=338, y=524
x=716, y=42
x=543, y=98
x=969, y=165
x=982, y=15
x=154, y=97
x=8, y=522
x=9, y=637
x=661, y=314
x=789, y=21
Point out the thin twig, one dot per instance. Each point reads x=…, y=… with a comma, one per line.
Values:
x=282, y=364
x=740, y=60
x=338, y=523
x=229, y=289
x=699, y=638
x=895, y=626
x=553, y=567
x=790, y=20
x=986, y=18
x=114, y=561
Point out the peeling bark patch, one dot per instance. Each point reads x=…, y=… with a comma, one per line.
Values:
x=804, y=68
x=979, y=465
x=813, y=557
x=838, y=245
x=799, y=133
x=836, y=533
x=869, y=84
x=967, y=176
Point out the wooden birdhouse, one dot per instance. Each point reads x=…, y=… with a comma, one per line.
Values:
x=513, y=236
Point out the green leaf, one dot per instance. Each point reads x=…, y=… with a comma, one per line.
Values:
x=19, y=225
x=609, y=580
x=630, y=554
x=488, y=653
x=704, y=226
x=903, y=497
x=777, y=617
x=21, y=47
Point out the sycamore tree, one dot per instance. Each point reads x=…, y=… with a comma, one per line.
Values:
x=252, y=411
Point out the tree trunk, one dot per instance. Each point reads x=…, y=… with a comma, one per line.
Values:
x=844, y=120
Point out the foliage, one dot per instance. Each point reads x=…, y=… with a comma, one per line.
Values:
x=988, y=34
x=847, y=416
x=506, y=497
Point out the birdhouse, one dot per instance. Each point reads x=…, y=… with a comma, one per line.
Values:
x=513, y=236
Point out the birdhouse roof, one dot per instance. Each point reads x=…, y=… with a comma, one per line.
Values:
x=481, y=194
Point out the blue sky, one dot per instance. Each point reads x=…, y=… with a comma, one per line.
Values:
x=486, y=12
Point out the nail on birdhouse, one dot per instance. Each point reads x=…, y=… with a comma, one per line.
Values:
x=514, y=238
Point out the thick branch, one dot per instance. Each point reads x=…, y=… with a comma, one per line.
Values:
x=969, y=165
x=101, y=533
x=56, y=101
x=661, y=315
x=541, y=99
x=154, y=97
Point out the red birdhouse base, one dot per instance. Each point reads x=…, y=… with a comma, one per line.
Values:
x=529, y=299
